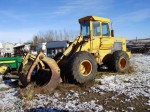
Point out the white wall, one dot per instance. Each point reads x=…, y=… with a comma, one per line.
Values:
x=8, y=48
x=42, y=46
x=1, y=46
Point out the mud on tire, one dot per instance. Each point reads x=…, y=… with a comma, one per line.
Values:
x=82, y=67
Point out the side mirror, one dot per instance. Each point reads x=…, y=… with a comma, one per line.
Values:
x=112, y=33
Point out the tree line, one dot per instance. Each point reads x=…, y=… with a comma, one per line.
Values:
x=54, y=35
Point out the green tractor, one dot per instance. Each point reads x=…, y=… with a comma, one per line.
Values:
x=8, y=64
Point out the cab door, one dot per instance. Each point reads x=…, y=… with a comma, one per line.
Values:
x=106, y=41
x=96, y=33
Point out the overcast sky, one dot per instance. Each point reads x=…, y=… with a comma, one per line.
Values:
x=20, y=20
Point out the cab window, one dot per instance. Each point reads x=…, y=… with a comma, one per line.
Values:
x=96, y=28
x=85, y=28
x=105, y=29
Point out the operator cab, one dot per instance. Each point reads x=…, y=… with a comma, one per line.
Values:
x=93, y=26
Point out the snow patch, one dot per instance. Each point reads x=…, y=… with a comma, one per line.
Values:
x=4, y=86
x=9, y=100
x=68, y=104
x=131, y=85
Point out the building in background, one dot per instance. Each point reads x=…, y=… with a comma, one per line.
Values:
x=42, y=46
x=54, y=47
x=1, y=50
x=21, y=49
x=7, y=49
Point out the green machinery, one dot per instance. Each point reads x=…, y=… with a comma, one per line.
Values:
x=9, y=64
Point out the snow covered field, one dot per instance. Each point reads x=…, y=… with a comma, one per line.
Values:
x=111, y=92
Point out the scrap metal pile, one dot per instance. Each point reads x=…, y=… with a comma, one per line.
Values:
x=139, y=46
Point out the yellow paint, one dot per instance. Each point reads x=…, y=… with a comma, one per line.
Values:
x=100, y=46
x=95, y=18
x=13, y=61
x=3, y=69
x=30, y=56
x=85, y=67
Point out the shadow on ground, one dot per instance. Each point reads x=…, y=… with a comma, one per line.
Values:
x=46, y=110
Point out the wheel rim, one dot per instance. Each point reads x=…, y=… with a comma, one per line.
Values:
x=122, y=62
x=85, y=67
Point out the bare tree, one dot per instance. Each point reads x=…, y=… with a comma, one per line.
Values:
x=35, y=40
x=53, y=35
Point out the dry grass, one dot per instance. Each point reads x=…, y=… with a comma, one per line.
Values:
x=4, y=89
x=29, y=92
x=132, y=68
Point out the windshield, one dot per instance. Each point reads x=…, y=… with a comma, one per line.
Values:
x=85, y=28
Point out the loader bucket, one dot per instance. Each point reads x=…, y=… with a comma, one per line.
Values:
x=46, y=78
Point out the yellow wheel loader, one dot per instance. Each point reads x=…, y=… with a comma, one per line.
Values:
x=95, y=46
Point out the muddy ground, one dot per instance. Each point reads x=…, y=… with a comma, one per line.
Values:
x=110, y=92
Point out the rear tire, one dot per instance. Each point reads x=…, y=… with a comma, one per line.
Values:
x=120, y=61
x=82, y=67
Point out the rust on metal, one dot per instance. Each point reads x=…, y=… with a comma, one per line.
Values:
x=47, y=79
x=55, y=75
x=26, y=61
x=35, y=63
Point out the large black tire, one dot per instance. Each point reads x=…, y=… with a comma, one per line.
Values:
x=82, y=67
x=120, y=61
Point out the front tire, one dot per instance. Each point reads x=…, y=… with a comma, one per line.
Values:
x=82, y=67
